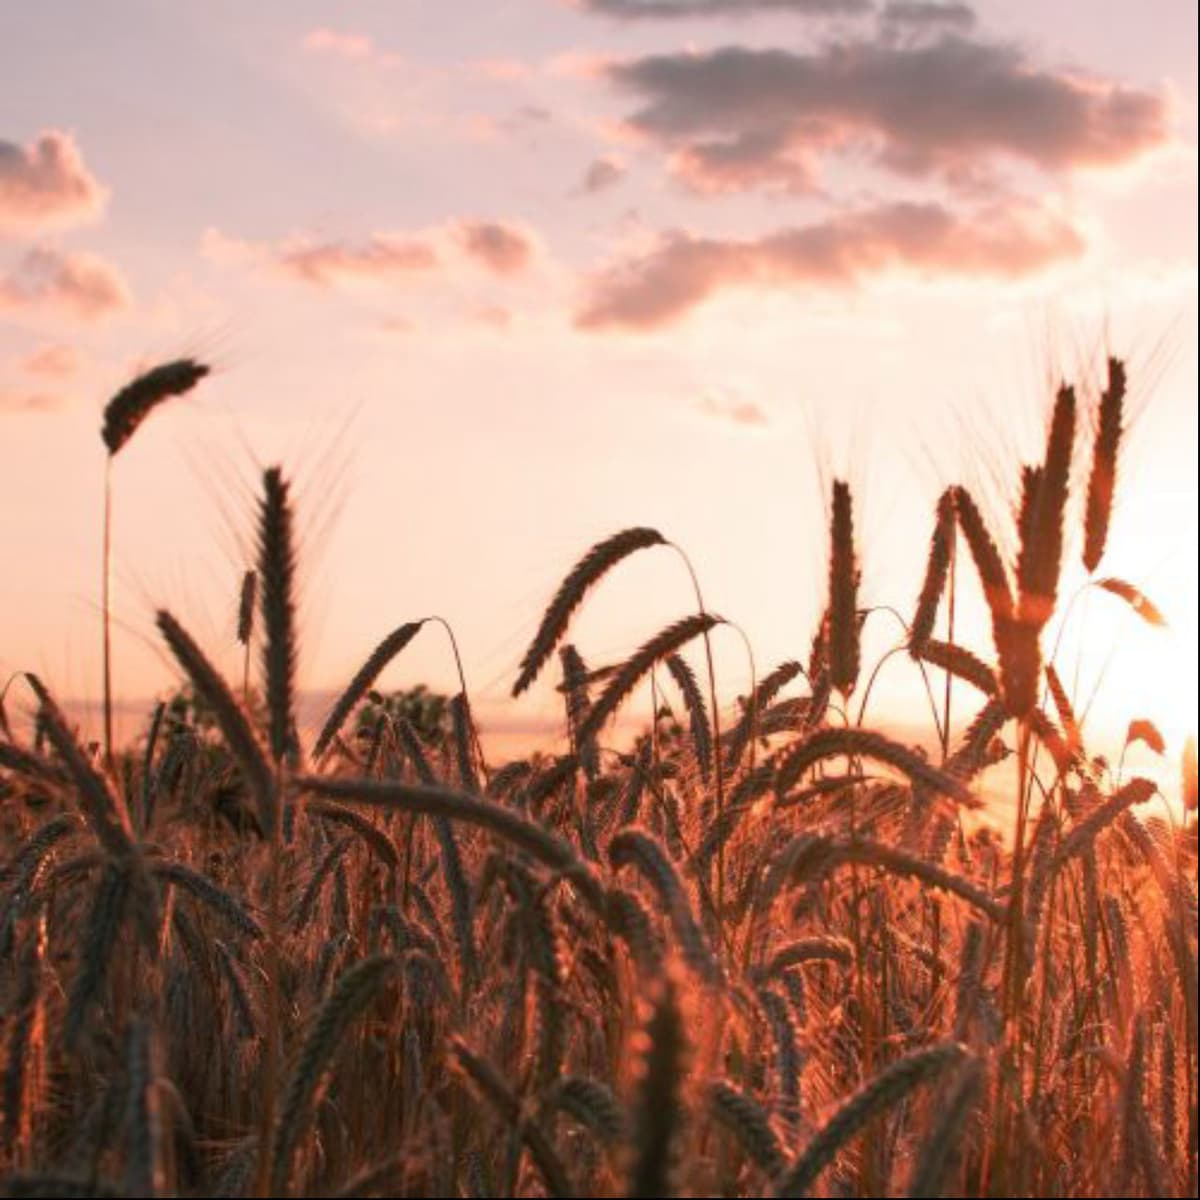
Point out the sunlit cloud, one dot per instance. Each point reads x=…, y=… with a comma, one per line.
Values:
x=757, y=116
x=47, y=185
x=78, y=285
x=493, y=316
x=30, y=401
x=52, y=361
x=379, y=259
x=734, y=409
x=502, y=70
x=500, y=247
x=344, y=45
x=659, y=287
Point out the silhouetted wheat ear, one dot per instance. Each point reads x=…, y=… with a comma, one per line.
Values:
x=638, y=665
x=749, y=1123
x=937, y=568
x=698, y=723
x=739, y=736
x=500, y=1096
x=988, y=563
x=26, y=1032
x=578, y=701
x=865, y=743
x=231, y=718
x=961, y=663
x=1028, y=514
x=144, y=1175
x=943, y=1145
x=102, y=804
x=628, y=919
x=540, y=843
x=592, y=1104
x=125, y=412
x=658, y=1113
x=843, y=592
x=590, y=569
x=349, y=999
x=201, y=888
x=887, y=1088
x=277, y=569
x=1040, y=557
x=246, y=602
x=364, y=677
x=636, y=847
x=1102, y=481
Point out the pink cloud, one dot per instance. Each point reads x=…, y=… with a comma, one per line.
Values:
x=502, y=248
x=344, y=45
x=31, y=402
x=380, y=259
x=55, y=361
x=660, y=287
x=46, y=185
x=502, y=70
x=74, y=284
x=747, y=413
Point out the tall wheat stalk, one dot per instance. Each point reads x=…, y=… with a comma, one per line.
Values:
x=123, y=415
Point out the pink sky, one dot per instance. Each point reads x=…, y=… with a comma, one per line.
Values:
x=495, y=280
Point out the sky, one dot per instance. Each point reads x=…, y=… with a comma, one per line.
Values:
x=494, y=280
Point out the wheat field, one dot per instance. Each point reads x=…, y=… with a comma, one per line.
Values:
x=759, y=949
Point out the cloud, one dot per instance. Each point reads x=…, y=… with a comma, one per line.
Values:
x=661, y=286
x=739, y=116
x=632, y=10
x=30, y=402
x=76, y=284
x=380, y=259
x=54, y=361
x=493, y=316
x=601, y=175
x=739, y=411
x=343, y=45
x=501, y=248
x=924, y=14
x=46, y=185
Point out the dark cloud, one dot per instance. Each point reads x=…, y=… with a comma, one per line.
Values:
x=379, y=259
x=77, y=285
x=632, y=10
x=601, y=175
x=925, y=14
x=661, y=286
x=502, y=248
x=46, y=185
x=762, y=116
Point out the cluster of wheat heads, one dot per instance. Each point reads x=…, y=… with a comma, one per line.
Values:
x=765, y=959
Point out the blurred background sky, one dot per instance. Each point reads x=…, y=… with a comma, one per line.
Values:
x=494, y=280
